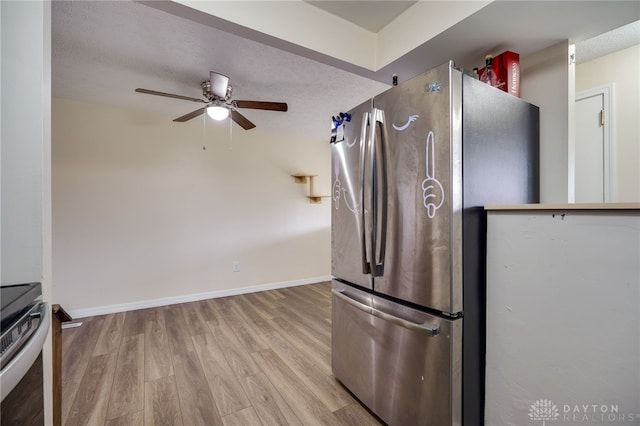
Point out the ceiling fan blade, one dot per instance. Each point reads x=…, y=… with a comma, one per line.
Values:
x=169, y=95
x=192, y=114
x=219, y=84
x=241, y=120
x=270, y=106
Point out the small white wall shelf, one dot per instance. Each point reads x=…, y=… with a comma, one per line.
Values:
x=309, y=179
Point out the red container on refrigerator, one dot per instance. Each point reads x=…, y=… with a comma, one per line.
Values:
x=506, y=66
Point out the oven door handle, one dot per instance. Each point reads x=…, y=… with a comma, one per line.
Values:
x=423, y=328
x=15, y=369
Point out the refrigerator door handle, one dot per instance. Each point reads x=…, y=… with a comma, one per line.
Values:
x=364, y=140
x=424, y=328
x=380, y=206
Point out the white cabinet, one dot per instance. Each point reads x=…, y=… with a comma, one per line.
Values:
x=563, y=316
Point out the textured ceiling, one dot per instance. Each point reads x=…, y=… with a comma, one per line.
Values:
x=103, y=50
x=609, y=42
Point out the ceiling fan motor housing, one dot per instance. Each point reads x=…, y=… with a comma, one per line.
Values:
x=211, y=96
x=218, y=85
x=217, y=92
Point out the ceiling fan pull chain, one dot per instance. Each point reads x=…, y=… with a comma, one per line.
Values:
x=230, y=134
x=204, y=131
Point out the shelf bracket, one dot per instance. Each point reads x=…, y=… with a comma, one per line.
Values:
x=304, y=178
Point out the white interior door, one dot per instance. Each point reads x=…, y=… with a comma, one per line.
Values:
x=592, y=147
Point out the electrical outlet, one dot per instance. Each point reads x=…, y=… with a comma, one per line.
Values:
x=235, y=266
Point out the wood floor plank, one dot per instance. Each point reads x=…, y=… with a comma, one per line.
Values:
x=315, y=306
x=76, y=357
x=355, y=415
x=69, y=390
x=193, y=317
x=208, y=311
x=133, y=419
x=253, y=314
x=196, y=401
x=302, y=401
x=266, y=400
x=127, y=395
x=247, y=325
x=68, y=336
x=177, y=331
x=91, y=400
x=313, y=323
x=268, y=299
x=157, y=356
x=240, y=361
x=133, y=323
x=225, y=387
x=243, y=417
x=324, y=387
x=307, y=306
x=310, y=296
x=110, y=334
x=276, y=294
x=218, y=307
x=151, y=314
x=221, y=303
x=322, y=290
x=319, y=350
x=262, y=306
x=162, y=406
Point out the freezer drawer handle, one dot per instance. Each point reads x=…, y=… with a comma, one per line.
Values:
x=430, y=330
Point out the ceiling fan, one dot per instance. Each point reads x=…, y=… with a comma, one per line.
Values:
x=219, y=104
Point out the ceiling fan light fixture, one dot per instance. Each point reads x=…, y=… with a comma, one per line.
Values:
x=217, y=112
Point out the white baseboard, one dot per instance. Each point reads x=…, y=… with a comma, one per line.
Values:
x=131, y=306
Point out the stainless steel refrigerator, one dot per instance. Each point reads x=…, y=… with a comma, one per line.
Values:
x=411, y=173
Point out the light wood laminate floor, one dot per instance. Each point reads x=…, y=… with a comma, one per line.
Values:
x=254, y=359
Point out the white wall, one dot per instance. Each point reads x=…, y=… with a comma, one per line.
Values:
x=141, y=212
x=546, y=83
x=22, y=137
x=621, y=68
x=26, y=138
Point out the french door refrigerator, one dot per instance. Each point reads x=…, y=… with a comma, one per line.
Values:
x=411, y=173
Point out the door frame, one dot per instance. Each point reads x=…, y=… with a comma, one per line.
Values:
x=607, y=91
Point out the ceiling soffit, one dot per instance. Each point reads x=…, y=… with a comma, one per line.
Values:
x=426, y=34
x=300, y=23
x=370, y=15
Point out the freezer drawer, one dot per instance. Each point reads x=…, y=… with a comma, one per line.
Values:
x=403, y=364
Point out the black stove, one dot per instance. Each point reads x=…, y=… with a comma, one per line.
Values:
x=25, y=325
x=15, y=299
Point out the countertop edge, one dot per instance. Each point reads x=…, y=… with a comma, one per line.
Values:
x=585, y=206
